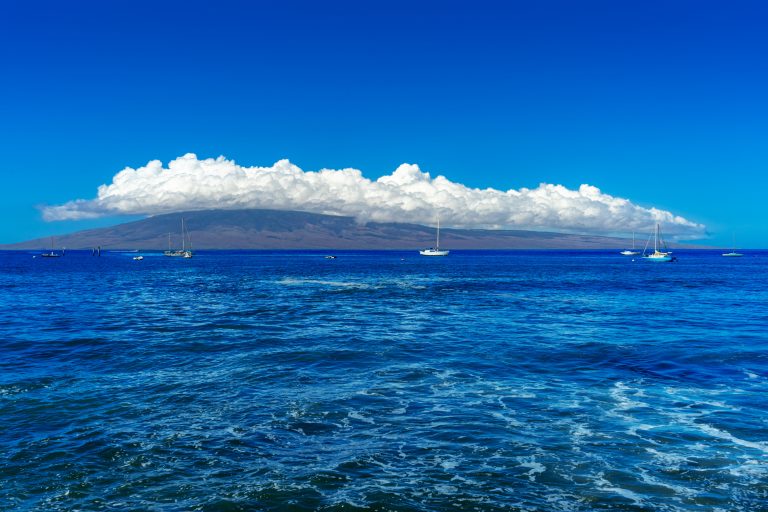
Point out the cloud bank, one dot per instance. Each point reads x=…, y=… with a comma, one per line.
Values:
x=406, y=195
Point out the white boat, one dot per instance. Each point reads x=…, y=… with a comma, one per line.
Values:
x=435, y=251
x=658, y=243
x=632, y=252
x=184, y=252
x=52, y=254
x=733, y=253
x=138, y=258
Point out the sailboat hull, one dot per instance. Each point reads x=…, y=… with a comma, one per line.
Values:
x=657, y=255
x=632, y=251
x=659, y=258
x=435, y=251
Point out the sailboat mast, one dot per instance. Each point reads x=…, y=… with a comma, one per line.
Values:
x=437, y=244
x=656, y=240
x=183, y=238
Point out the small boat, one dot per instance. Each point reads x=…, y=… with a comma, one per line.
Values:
x=184, y=252
x=632, y=252
x=733, y=253
x=52, y=254
x=658, y=243
x=138, y=258
x=435, y=251
x=330, y=257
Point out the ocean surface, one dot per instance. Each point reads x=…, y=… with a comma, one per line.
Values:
x=383, y=381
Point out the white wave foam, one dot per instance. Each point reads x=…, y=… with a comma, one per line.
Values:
x=756, y=471
x=672, y=460
x=447, y=463
x=536, y=468
x=619, y=395
x=677, y=489
x=321, y=282
x=511, y=422
x=727, y=436
x=360, y=417
x=446, y=489
x=606, y=486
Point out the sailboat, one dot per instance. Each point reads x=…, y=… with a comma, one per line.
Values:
x=632, y=252
x=733, y=253
x=658, y=243
x=52, y=254
x=184, y=252
x=435, y=251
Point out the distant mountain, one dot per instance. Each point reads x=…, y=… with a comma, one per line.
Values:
x=273, y=229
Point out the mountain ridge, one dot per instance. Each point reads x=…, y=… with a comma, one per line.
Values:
x=279, y=229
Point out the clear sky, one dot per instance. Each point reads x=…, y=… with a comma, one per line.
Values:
x=664, y=103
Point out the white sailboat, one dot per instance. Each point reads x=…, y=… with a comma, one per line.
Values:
x=52, y=254
x=184, y=252
x=632, y=252
x=733, y=253
x=435, y=251
x=658, y=243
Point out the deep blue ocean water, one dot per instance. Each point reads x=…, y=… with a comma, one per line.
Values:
x=483, y=381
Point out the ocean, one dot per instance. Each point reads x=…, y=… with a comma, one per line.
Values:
x=384, y=381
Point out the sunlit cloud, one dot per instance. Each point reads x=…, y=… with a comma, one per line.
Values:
x=406, y=195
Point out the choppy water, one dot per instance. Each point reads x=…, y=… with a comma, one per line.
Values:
x=384, y=381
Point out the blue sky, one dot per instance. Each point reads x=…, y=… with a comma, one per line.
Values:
x=663, y=103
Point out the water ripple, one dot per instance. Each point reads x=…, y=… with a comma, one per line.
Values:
x=383, y=381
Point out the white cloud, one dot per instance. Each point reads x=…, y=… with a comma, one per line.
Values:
x=407, y=195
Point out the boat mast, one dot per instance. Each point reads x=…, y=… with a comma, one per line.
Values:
x=183, y=239
x=437, y=246
x=656, y=240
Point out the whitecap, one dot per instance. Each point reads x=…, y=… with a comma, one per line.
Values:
x=727, y=436
x=535, y=467
x=360, y=417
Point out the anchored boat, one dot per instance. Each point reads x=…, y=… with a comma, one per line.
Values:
x=632, y=252
x=658, y=243
x=733, y=253
x=435, y=251
x=184, y=252
x=52, y=254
